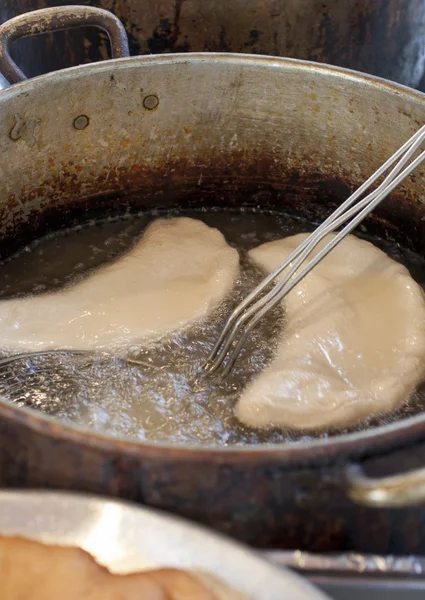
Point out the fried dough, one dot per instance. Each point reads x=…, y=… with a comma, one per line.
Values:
x=353, y=344
x=180, y=270
x=30, y=570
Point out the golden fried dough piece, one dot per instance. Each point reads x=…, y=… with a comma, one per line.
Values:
x=179, y=585
x=31, y=570
x=220, y=589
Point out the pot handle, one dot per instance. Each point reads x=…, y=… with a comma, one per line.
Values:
x=395, y=491
x=53, y=19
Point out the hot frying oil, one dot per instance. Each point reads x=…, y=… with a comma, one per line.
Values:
x=165, y=398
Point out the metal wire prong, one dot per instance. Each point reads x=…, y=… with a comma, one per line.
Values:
x=227, y=345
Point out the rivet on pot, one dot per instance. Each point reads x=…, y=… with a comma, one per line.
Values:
x=81, y=122
x=150, y=102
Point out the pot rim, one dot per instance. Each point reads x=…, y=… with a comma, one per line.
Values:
x=400, y=433
x=252, y=60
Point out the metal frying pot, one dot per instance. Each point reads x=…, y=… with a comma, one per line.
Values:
x=385, y=38
x=196, y=129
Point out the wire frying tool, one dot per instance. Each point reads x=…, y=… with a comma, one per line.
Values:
x=352, y=212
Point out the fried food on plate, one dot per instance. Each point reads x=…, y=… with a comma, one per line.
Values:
x=31, y=570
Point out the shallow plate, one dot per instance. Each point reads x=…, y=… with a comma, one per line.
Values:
x=127, y=538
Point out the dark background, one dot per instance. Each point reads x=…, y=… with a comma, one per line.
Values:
x=382, y=37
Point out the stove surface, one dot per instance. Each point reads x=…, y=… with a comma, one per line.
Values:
x=359, y=588
x=354, y=576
